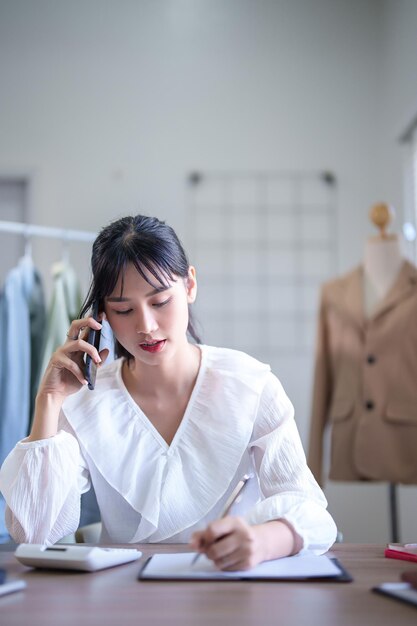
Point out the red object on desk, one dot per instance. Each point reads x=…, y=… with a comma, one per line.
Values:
x=399, y=554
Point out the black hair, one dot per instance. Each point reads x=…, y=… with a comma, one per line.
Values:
x=151, y=246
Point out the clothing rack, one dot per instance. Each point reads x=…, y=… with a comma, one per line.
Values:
x=33, y=230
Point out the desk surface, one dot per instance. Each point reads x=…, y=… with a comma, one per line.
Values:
x=114, y=597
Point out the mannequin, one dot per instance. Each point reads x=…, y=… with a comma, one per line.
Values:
x=381, y=265
x=382, y=259
x=364, y=391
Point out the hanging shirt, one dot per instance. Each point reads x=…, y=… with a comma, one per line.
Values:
x=238, y=420
x=37, y=323
x=21, y=300
x=65, y=307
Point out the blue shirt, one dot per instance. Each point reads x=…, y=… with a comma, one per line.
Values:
x=15, y=360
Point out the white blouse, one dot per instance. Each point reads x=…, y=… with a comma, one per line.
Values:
x=238, y=420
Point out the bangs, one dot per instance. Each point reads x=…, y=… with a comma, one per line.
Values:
x=162, y=277
x=158, y=275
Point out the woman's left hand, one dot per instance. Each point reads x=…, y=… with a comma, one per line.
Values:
x=231, y=543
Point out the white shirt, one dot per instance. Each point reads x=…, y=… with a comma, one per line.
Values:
x=238, y=420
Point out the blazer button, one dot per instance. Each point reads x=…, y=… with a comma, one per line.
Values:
x=371, y=359
x=369, y=405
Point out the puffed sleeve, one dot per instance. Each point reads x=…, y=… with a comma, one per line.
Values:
x=42, y=482
x=288, y=487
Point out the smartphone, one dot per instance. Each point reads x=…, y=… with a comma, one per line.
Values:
x=94, y=339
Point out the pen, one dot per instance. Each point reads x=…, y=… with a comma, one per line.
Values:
x=231, y=500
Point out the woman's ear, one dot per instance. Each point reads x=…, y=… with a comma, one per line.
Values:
x=191, y=285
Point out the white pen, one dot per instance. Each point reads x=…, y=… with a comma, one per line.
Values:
x=231, y=500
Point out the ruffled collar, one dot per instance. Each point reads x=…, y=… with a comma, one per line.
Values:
x=171, y=486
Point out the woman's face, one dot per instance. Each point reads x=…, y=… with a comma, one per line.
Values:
x=151, y=324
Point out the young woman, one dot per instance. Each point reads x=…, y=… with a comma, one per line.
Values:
x=170, y=429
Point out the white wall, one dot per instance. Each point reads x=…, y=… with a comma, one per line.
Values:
x=398, y=90
x=110, y=104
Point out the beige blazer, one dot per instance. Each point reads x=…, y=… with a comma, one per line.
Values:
x=365, y=383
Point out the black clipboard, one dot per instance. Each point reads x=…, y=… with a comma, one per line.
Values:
x=146, y=575
x=403, y=592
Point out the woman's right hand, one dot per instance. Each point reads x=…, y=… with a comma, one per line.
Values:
x=64, y=374
x=63, y=377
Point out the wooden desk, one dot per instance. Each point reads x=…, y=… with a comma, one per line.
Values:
x=114, y=597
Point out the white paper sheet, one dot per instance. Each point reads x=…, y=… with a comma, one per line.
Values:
x=179, y=565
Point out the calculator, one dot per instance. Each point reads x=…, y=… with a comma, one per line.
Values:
x=74, y=557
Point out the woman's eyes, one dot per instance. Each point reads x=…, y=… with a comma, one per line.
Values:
x=157, y=305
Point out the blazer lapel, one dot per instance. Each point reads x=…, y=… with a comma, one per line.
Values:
x=403, y=287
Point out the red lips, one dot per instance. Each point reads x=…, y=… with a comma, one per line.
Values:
x=153, y=346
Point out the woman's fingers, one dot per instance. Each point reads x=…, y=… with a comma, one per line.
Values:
x=83, y=346
x=77, y=337
x=82, y=326
x=63, y=362
x=229, y=542
x=70, y=357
